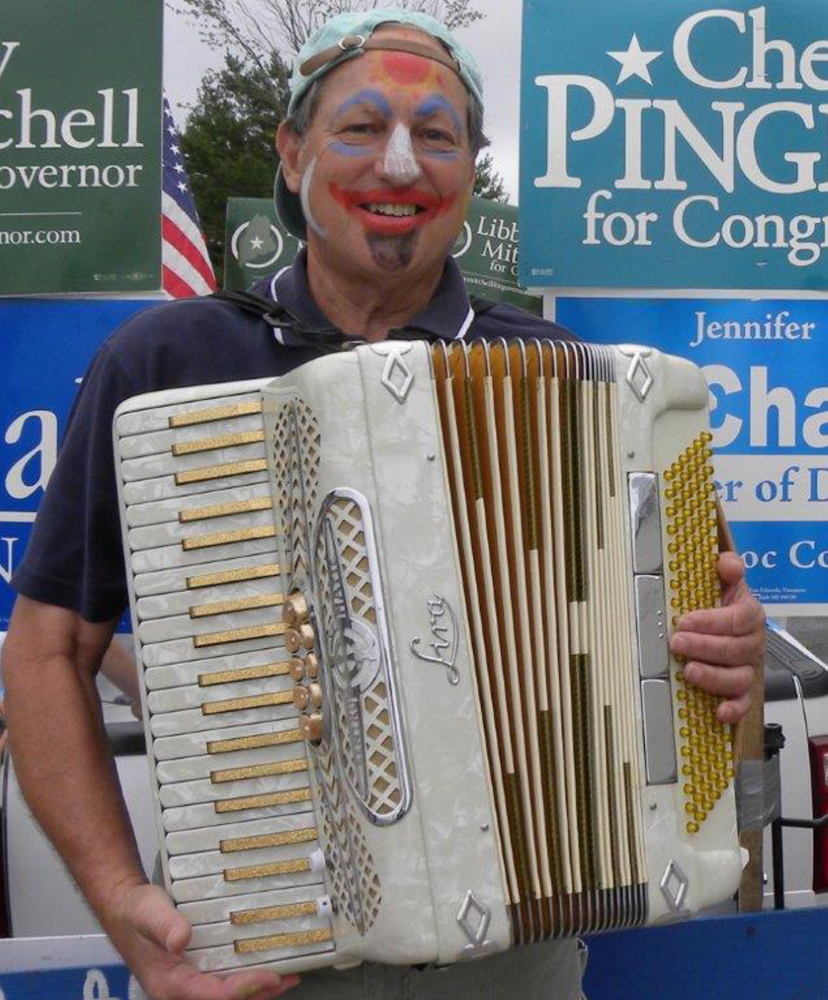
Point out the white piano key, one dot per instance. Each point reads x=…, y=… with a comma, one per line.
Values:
x=180, y=603
x=191, y=768
x=143, y=514
x=156, y=466
x=183, y=626
x=214, y=935
x=192, y=721
x=163, y=487
x=187, y=673
x=182, y=699
x=190, y=793
x=214, y=862
x=216, y=910
x=168, y=556
x=190, y=890
x=175, y=650
x=156, y=418
x=157, y=442
x=216, y=959
x=174, y=579
x=155, y=536
x=204, y=814
x=210, y=838
x=194, y=744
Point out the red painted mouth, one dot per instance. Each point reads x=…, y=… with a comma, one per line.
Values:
x=392, y=211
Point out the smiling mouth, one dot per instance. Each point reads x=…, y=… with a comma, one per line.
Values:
x=392, y=210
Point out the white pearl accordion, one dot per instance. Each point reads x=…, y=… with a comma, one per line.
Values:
x=401, y=618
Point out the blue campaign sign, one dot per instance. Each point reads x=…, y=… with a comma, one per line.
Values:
x=764, y=362
x=110, y=982
x=47, y=345
x=674, y=145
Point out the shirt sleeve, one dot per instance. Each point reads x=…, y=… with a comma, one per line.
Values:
x=74, y=558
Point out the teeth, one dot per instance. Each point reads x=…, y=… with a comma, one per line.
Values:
x=398, y=211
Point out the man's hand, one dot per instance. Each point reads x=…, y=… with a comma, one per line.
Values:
x=723, y=646
x=151, y=935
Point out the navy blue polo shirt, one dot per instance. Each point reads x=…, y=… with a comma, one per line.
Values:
x=74, y=558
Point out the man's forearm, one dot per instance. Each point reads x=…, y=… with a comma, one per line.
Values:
x=62, y=760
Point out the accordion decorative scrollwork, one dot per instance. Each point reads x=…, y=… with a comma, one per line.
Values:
x=363, y=719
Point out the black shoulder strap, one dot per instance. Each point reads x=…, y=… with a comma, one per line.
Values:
x=324, y=338
x=480, y=304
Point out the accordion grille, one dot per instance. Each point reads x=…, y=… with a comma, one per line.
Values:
x=530, y=445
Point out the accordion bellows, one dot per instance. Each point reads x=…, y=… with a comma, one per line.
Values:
x=402, y=620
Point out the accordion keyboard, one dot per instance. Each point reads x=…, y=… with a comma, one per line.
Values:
x=242, y=854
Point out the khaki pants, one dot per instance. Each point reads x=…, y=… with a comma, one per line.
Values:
x=541, y=972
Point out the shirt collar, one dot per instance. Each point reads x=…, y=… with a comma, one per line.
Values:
x=447, y=316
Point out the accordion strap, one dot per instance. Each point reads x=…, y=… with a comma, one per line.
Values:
x=326, y=338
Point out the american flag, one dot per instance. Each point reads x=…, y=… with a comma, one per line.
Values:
x=185, y=264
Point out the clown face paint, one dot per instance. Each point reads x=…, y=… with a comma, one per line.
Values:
x=400, y=166
x=304, y=194
x=384, y=171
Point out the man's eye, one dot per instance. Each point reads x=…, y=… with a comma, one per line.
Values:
x=360, y=128
x=437, y=135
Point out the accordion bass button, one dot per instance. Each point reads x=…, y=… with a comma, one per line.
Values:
x=311, y=727
x=299, y=638
x=315, y=693
x=311, y=664
x=297, y=669
x=295, y=611
x=301, y=698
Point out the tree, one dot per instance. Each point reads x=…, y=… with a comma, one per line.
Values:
x=488, y=183
x=255, y=28
x=229, y=137
x=229, y=133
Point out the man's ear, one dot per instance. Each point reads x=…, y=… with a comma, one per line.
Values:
x=288, y=145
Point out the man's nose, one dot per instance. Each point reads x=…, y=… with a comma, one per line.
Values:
x=399, y=165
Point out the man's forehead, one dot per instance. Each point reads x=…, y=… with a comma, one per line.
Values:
x=400, y=71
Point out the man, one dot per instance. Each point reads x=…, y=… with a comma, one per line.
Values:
x=377, y=169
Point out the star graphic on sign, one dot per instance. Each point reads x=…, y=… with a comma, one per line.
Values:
x=256, y=243
x=634, y=61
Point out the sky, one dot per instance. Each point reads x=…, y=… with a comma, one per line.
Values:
x=495, y=41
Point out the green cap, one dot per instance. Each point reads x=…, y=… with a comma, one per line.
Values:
x=345, y=37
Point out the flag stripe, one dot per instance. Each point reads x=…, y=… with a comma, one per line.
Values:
x=179, y=264
x=174, y=286
x=175, y=238
x=186, y=268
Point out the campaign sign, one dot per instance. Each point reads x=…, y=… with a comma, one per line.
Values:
x=47, y=347
x=80, y=134
x=764, y=363
x=675, y=145
x=111, y=982
x=255, y=243
x=486, y=250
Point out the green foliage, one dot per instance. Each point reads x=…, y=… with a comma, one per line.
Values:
x=488, y=183
x=228, y=140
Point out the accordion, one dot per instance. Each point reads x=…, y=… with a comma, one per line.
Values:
x=402, y=619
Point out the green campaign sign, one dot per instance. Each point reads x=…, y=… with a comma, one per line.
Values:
x=486, y=249
x=80, y=146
